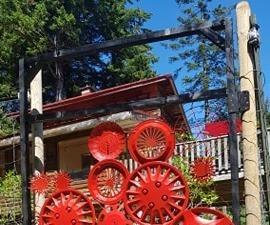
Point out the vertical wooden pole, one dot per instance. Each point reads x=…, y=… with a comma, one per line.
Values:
x=249, y=120
x=24, y=143
x=233, y=110
x=37, y=132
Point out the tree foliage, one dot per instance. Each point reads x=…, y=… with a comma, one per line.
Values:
x=203, y=62
x=30, y=27
x=10, y=195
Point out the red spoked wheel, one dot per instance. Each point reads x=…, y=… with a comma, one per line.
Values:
x=106, y=141
x=151, y=140
x=107, y=181
x=203, y=169
x=157, y=193
x=112, y=215
x=205, y=216
x=67, y=207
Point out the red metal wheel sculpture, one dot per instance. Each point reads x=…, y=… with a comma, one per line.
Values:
x=151, y=140
x=40, y=183
x=205, y=216
x=203, y=169
x=157, y=193
x=112, y=215
x=61, y=181
x=107, y=181
x=67, y=207
x=106, y=141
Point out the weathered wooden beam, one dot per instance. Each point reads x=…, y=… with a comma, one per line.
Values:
x=129, y=106
x=145, y=38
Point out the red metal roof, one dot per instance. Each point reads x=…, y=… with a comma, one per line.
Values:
x=220, y=128
x=143, y=89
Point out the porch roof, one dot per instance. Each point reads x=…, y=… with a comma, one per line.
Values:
x=149, y=88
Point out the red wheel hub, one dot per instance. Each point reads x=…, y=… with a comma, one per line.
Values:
x=107, y=181
x=203, y=169
x=68, y=207
x=106, y=141
x=195, y=217
x=156, y=194
x=113, y=216
x=151, y=140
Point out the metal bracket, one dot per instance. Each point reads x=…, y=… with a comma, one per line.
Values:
x=244, y=102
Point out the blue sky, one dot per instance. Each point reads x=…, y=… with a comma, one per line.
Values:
x=165, y=12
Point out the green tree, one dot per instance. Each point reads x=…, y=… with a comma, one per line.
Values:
x=203, y=62
x=30, y=27
x=10, y=195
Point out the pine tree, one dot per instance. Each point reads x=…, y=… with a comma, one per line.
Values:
x=30, y=27
x=203, y=61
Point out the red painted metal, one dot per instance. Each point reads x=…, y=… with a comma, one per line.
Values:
x=40, y=183
x=61, y=181
x=203, y=169
x=112, y=215
x=151, y=140
x=106, y=141
x=204, y=216
x=107, y=181
x=157, y=193
x=67, y=207
x=219, y=128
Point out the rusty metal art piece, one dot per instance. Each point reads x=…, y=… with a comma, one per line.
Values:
x=61, y=181
x=151, y=140
x=112, y=215
x=107, y=181
x=157, y=193
x=106, y=141
x=203, y=169
x=67, y=207
x=204, y=216
x=39, y=183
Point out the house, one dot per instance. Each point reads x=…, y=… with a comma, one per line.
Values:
x=65, y=142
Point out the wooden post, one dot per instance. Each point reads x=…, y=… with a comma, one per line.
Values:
x=37, y=133
x=249, y=120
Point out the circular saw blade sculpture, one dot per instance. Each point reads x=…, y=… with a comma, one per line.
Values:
x=155, y=193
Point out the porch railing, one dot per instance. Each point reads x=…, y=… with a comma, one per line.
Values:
x=218, y=148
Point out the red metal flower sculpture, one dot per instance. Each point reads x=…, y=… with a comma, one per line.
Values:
x=40, y=183
x=203, y=169
x=61, y=181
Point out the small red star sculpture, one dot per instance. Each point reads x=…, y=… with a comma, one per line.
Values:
x=203, y=169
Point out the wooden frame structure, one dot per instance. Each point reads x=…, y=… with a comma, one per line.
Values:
x=28, y=68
